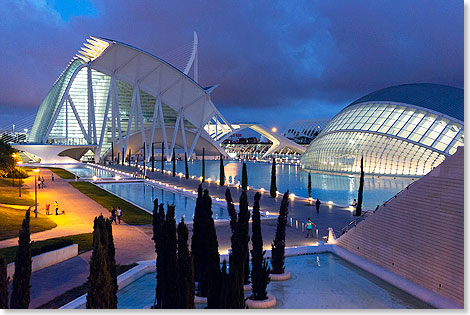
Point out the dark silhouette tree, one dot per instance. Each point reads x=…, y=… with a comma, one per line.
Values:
x=163, y=158
x=100, y=282
x=361, y=189
x=174, y=163
x=225, y=296
x=197, y=244
x=112, y=152
x=244, y=177
x=185, y=274
x=159, y=239
x=279, y=244
x=129, y=158
x=111, y=253
x=153, y=158
x=123, y=156
x=170, y=260
x=203, y=166
x=222, y=171
x=3, y=283
x=118, y=159
x=260, y=270
x=186, y=168
x=309, y=188
x=20, y=295
x=273, y=189
x=143, y=161
x=231, y=210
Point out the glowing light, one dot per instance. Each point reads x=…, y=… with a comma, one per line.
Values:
x=94, y=178
x=117, y=177
x=19, y=163
x=330, y=202
x=274, y=129
x=36, y=170
x=292, y=196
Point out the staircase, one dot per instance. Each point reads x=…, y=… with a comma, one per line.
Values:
x=419, y=235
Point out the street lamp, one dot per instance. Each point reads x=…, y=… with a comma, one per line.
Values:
x=13, y=173
x=36, y=171
x=19, y=176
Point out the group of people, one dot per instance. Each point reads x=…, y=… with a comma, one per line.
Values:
x=56, y=207
x=42, y=181
x=116, y=213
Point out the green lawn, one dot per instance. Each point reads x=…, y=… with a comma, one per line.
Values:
x=76, y=292
x=62, y=173
x=130, y=213
x=9, y=194
x=84, y=241
x=11, y=220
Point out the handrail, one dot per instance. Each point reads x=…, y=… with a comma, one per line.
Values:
x=354, y=222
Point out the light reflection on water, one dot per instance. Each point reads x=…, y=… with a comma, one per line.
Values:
x=85, y=171
x=339, y=189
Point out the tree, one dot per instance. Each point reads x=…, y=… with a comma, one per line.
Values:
x=186, y=168
x=279, y=244
x=174, y=163
x=225, y=296
x=20, y=295
x=159, y=239
x=361, y=189
x=112, y=152
x=244, y=177
x=100, y=282
x=309, y=188
x=197, y=243
x=163, y=155
x=3, y=283
x=203, y=166
x=273, y=189
x=231, y=210
x=222, y=171
x=111, y=253
x=153, y=158
x=170, y=260
x=129, y=158
x=260, y=270
x=143, y=161
x=185, y=272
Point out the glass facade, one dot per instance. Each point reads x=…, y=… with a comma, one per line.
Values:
x=394, y=139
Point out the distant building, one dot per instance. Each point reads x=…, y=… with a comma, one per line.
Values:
x=304, y=131
x=401, y=130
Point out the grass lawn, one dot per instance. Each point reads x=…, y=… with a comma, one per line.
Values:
x=11, y=220
x=130, y=213
x=9, y=194
x=62, y=173
x=76, y=292
x=84, y=241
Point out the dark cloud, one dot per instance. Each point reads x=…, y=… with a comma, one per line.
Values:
x=299, y=59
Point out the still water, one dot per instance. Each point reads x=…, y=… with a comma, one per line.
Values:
x=86, y=171
x=339, y=189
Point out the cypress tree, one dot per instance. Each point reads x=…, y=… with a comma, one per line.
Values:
x=309, y=188
x=361, y=189
x=100, y=282
x=260, y=270
x=111, y=253
x=197, y=243
x=203, y=166
x=186, y=168
x=118, y=159
x=174, y=163
x=212, y=268
x=185, y=298
x=153, y=158
x=129, y=157
x=279, y=244
x=112, y=152
x=222, y=171
x=3, y=283
x=123, y=157
x=244, y=177
x=163, y=161
x=143, y=161
x=273, y=189
x=20, y=295
x=170, y=260
x=225, y=296
x=159, y=240
x=231, y=210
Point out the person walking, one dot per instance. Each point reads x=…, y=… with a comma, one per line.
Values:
x=354, y=203
x=56, y=206
x=317, y=205
x=48, y=208
x=119, y=214
x=308, y=226
x=52, y=176
x=113, y=215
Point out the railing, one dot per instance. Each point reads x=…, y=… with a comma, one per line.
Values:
x=354, y=222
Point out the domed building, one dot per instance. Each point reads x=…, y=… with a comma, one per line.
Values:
x=402, y=130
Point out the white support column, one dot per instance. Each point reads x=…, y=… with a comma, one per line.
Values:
x=90, y=107
x=175, y=133
x=77, y=117
x=162, y=122
x=117, y=113
x=66, y=123
x=103, y=127
x=183, y=134
x=154, y=120
x=129, y=123
x=195, y=141
x=141, y=117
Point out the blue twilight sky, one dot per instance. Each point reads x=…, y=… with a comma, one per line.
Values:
x=275, y=61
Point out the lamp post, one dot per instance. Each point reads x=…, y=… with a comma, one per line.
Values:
x=13, y=173
x=19, y=176
x=36, y=171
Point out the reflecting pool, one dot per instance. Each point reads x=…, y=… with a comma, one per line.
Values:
x=339, y=189
x=322, y=281
x=87, y=171
x=143, y=195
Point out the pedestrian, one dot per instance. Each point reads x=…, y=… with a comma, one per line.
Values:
x=39, y=185
x=119, y=214
x=113, y=215
x=308, y=226
x=317, y=205
x=48, y=207
x=52, y=177
x=354, y=203
x=56, y=206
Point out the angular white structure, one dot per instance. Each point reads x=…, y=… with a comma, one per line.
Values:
x=401, y=130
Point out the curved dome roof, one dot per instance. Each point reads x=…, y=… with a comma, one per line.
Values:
x=440, y=98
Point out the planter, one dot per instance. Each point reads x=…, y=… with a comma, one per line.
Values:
x=270, y=302
x=200, y=299
x=280, y=277
x=247, y=287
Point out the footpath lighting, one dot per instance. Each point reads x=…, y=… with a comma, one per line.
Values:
x=95, y=178
x=330, y=203
x=19, y=176
x=117, y=177
x=292, y=196
x=36, y=171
